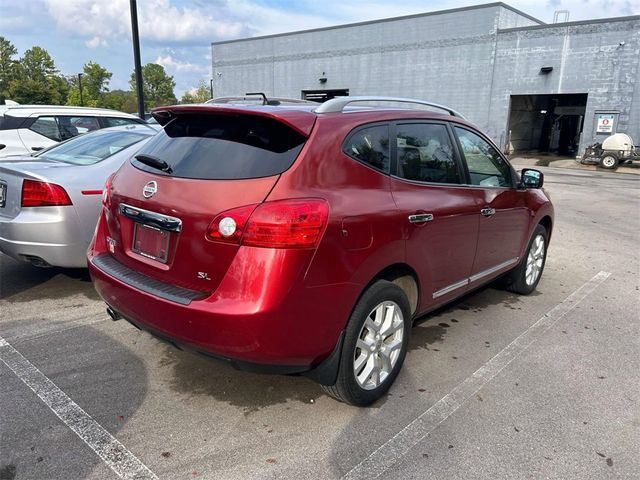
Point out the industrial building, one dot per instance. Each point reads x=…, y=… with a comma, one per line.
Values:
x=531, y=86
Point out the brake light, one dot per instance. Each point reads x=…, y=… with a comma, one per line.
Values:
x=106, y=193
x=43, y=194
x=295, y=223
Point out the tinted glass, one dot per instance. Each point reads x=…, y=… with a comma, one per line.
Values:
x=48, y=127
x=90, y=149
x=371, y=146
x=486, y=166
x=425, y=154
x=223, y=147
x=116, y=122
x=80, y=124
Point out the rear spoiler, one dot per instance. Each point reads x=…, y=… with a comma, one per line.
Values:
x=301, y=121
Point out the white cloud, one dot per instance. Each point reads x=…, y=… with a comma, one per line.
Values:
x=96, y=42
x=173, y=65
x=158, y=21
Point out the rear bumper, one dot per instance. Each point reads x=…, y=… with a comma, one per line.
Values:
x=292, y=334
x=47, y=233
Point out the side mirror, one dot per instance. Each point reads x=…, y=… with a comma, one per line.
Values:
x=531, y=178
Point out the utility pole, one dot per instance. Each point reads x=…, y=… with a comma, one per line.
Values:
x=136, y=56
x=80, y=86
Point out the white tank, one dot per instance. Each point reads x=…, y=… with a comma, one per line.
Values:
x=618, y=141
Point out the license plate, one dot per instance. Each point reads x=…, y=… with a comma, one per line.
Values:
x=151, y=242
x=3, y=194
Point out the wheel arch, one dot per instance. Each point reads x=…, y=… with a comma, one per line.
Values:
x=405, y=277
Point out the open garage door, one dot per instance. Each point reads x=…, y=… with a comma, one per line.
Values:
x=546, y=123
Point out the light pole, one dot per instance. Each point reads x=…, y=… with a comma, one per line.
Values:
x=80, y=86
x=136, y=56
x=211, y=85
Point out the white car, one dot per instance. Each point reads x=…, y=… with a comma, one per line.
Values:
x=25, y=129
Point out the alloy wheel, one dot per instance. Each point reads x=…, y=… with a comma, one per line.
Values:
x=535, y=260
x=378, y=346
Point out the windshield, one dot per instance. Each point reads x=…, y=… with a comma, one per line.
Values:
x=92, y=148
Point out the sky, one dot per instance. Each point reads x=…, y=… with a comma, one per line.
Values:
x=178, y=33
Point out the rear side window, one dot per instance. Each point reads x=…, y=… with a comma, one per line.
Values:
x=370, y=145
x=223, y=147
x=425, y=153
x=48, y=127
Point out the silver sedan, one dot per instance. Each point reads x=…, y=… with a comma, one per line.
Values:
x=49, y=202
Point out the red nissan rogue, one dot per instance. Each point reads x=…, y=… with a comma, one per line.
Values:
x=301, y=239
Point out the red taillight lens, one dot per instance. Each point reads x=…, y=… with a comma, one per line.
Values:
x=106, y=193
x=43, y=194
x=239, y=216
x=281, y=224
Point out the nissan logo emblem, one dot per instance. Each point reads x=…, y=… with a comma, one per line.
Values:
x=150, y=189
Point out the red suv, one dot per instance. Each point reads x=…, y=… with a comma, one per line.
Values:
x=304, y=240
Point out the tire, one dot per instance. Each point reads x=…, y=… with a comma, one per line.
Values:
x=521, y=279
x=609, y=162
x=364, y=353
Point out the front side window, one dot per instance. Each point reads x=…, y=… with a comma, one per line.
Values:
x=486, y=166
x=116, y=122
x=425, y=154
x=370, y=145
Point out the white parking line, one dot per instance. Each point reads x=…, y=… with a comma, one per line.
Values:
x=387, y=454
x=110, y=450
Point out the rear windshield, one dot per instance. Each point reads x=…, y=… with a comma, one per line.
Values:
x=223, y=147
x=91, y=148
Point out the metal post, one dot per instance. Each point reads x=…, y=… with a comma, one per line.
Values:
x=211, y=85
x=136, y=56
x=80, y=86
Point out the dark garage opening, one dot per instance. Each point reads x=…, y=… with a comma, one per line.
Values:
x=546, y=123
x=321, y=96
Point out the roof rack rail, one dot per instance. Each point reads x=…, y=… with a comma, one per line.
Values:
x=260, y=97
x=337, y=104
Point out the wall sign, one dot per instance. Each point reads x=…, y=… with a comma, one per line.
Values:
x=605, y=123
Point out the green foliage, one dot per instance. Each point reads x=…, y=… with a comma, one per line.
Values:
x=7, y=66
x=121, y=100
x=34, y=79
x=95, y=81
x=157, y=86
x=200, y=94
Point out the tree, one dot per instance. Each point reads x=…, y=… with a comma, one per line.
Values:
x=122, y=100
x=7, y=65
x=157, y=86
x=95, y=81
x=35, y=79
x=200, y=94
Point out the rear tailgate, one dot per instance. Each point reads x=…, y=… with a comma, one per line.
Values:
x=158, y=220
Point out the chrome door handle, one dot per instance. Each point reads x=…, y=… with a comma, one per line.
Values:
x=487, y=212
x=420, y=218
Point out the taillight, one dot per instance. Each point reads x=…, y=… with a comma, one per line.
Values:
x=106, y=193
x=295, y=223
x=43, y=194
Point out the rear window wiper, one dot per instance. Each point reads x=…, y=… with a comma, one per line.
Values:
x=154, y=162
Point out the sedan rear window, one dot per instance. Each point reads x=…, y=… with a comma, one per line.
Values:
x=223, y=147
x=91, y=148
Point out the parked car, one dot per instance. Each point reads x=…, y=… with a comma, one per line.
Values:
x=25, y=129
x=305, y=239
x=49, y=202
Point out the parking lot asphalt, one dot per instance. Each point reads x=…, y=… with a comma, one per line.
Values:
x=495, y=385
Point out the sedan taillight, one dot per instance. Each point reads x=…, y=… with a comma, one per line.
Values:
x=43, y=194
